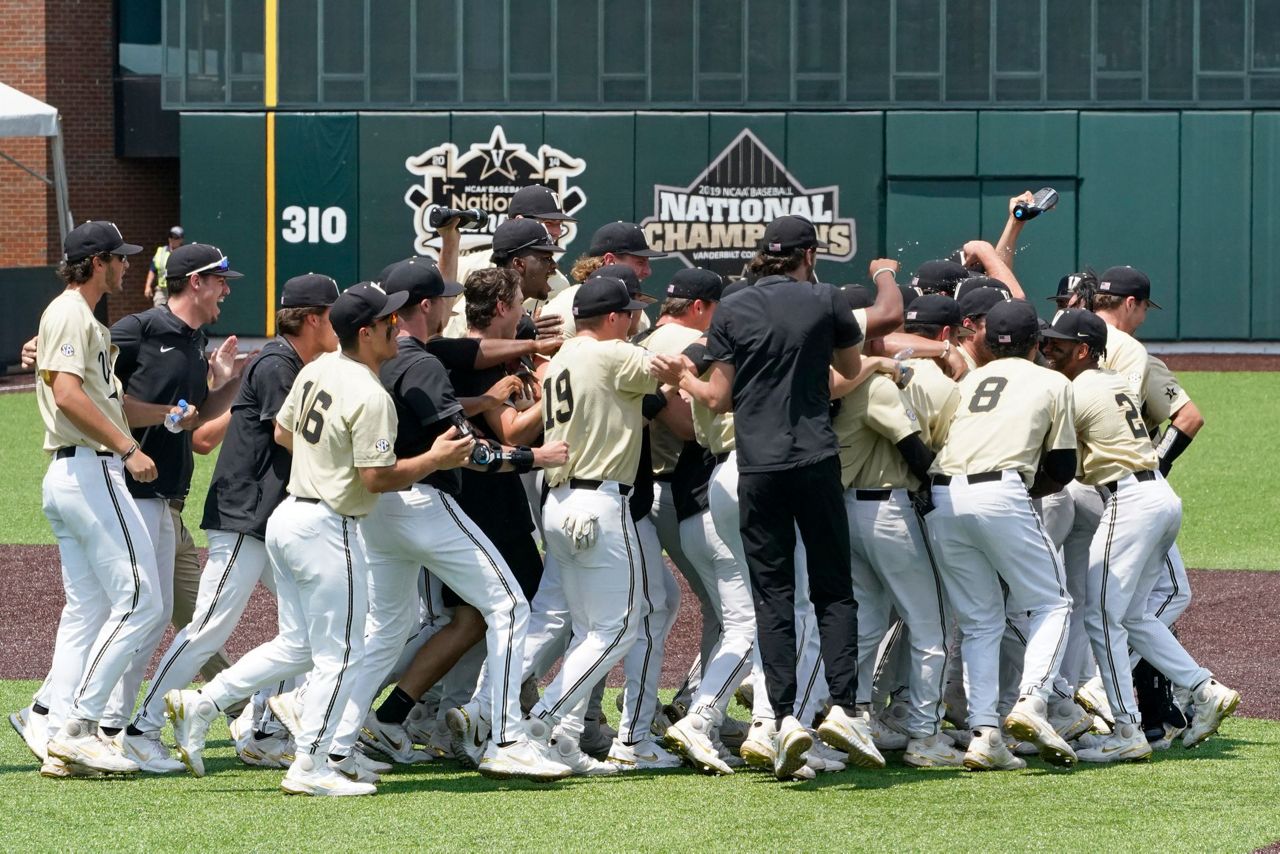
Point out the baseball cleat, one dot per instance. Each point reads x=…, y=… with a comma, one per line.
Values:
x=790, y=744
x=354, y=768
x=389, y=739
x=78, y=743
x=644, y=755
x=936, y=751
x=191, y=713
x=885, y=738
x=1026, y=721
x=306, y=777
x=56, y=769
x=565, y=750
x=745, y=695
x=1212, y=702
x=1093, y=698
x=757, y=747
x=803, y=774
x=1168, y=734
x=147, y=751
x=468, y=732
x=730, y=759
x=824, y=759
x=894, y=717
x=285, y=707
x=243, y=726
x=691, y=738
x=1127, y=743
x=521, y=760
x=732, y=732
x=34, y=730
x=1069, y=718
x=270, y=752
x=851, y=735
x=988, y=752
x=1021, y=748
x=420, y=725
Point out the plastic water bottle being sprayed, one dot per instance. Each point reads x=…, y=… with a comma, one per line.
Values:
x=905, y=371
x=172, y=420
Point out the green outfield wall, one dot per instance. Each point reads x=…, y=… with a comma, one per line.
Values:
x=1192, y=197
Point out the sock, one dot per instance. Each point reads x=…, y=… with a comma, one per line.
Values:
x=336, y=757
x=395, y=709
x=133, y=731
x=110, y=731
x=38, y=709
x=261, y=735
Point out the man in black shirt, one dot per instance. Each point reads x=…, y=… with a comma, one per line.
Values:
x=772, y=346
x=162, y=362
x=423, y=525
x=248, y=484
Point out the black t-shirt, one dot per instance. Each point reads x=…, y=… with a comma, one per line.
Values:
x=779, y=335
x=253, y=470
x=162, y=360
x=494, y=501
x=425, y=405
x=641, y=498
x=691, y=479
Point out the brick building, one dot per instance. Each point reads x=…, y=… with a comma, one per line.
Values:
x=65, y=52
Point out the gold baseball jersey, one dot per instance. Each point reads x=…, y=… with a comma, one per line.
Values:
x=561, y=303
x=1011, y=410
x=711, y=430
x=1162, y=396
x=591, y=399
x=860, y=315
x=1127, y=357
x=342, y=419
x=1113, y=440
x=933, y=397
x=73, y=341
x=669, y=339
x=871, y=421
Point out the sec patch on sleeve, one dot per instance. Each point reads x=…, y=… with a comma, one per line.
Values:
x=382, y=446
x=68, y=350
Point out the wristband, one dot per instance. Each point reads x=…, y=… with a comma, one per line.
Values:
x=1170, y=447
x=888, y=270
x=133, y=449
x=521, y=459
x=946, y=349
x=652, y=404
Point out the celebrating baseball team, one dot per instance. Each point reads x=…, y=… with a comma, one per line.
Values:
x=916, y=518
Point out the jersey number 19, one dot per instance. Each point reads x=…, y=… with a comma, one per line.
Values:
x=557, y=406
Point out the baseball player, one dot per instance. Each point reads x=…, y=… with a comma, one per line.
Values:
x=592, y=397
x=985, y=532
x=1141, y=518
x=974, y=307
x=108, y=562
x=248, y=483
x=615, y=243
x=340, y=425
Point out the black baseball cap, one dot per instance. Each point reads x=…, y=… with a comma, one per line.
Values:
x=978, y=302
x=1012, y=322
x=936, y=310
x=360, y=305
x=1077, y=324
x=788, y=233
x=940, y=275
x=602, y=294
x=96, y=236
x=857, y=296
x=1126, y=282
x=628, y=277
x=420, y=278
x=177, y=231
x=537, y=202
x=974, y=282
x=309, y=290
x=910, y=293
x=198, y=258
x=1067, y=287
x=622, y=238
x=696, y=283
x=517, y=237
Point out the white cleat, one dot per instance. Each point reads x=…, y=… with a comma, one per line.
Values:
x=389, y=739
x=469, y=732
x=565, y=750
x=1093, y=698
x=191, y=713
x=732, y=760
x=56, y=769
x=851, y=735
x=936, y=751
x=420, y=725
x=1027, y=721
x=820, y=754
x=1212, y=703
x=757, y=748
x=521, y=760
x=885, y=738
x=988, y=752
x=243, y=726
x=691, y=738
x=34, y=730
x=307, y=777
x=1069, y=718
x=355, y=768
x=645, y=755
x=270, y=752
x=150, y=755
x=286, y=708
x=790, y=744
x=1127, y=743
x=78, y=743
x=894, y=717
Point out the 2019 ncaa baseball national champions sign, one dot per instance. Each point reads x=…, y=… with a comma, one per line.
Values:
x=717, y=220
x=485, y=176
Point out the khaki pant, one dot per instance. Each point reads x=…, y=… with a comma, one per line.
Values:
x=159, y=296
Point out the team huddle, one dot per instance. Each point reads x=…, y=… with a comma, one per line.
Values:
x=915, y=517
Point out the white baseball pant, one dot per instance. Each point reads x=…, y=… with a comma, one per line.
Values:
x=1172, y=593
x=109, y=574
x=1086, y=513
x=659, y=600
x=695, y=568
x=985, y=532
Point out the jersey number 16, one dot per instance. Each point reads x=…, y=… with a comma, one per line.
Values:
x=557, y=406
x=313, y=409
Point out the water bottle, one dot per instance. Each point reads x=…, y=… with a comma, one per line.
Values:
x=172, y=420
x=905, y=371
x=1044, y=200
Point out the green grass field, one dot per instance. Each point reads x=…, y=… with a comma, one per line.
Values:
x=1219, y=797
x=1224, y=479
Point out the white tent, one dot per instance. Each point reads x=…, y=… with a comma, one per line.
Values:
x=22, y=115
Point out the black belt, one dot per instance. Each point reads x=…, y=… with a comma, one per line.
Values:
x=306, y=500
x=70, y=451
x=722, y=457
x=580, y=483
x=982, y=477
x=873, y=494
x=1145, y=474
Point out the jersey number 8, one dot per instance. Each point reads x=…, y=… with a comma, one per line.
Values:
x=313, y=413
x=987, y=394
x=561, y=408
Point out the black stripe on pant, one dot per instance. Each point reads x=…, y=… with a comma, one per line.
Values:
x=346, y=641
x=771, y=505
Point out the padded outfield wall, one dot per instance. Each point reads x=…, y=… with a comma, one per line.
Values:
x=1192, y=197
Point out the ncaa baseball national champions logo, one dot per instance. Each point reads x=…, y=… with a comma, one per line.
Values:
x=717, y=220
x=486, y=177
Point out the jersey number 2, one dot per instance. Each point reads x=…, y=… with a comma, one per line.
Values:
x=987, y=394
x=1131, y=415
x=561, y=408
x=313, y=413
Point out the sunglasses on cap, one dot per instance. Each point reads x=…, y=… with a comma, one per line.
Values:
x=214, y=268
